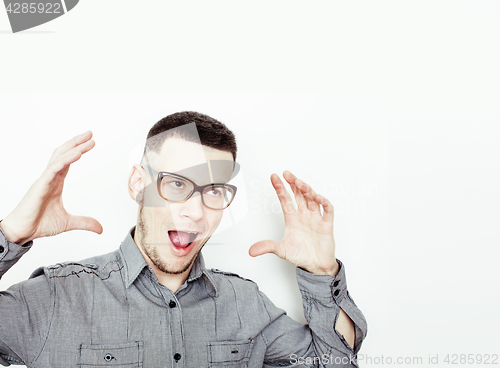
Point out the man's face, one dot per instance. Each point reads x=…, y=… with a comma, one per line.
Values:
x=172, y=234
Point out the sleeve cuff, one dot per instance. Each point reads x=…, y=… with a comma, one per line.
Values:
x=323, y=288
x=10, y=252
x=323, y=296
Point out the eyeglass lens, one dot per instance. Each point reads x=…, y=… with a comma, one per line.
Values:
x=175, y=189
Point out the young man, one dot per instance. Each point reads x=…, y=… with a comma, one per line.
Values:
x=152, y=303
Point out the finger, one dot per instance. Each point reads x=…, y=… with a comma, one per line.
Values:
x=305, y=191
x=70, y=157
x=264, y=247
x=64, y=172
x=289, y=177
x=283, y=196
x=61, y=166
x=299, y=197
x=72, y=143
x=84, y=223
x=327, y=208
x=310, y=195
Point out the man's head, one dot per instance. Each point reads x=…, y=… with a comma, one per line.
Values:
x=209, y=132
x=200, y=149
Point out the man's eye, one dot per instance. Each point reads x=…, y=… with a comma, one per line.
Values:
x=215, y=192
x=177, y=184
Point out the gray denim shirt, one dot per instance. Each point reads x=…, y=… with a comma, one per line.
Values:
x=111, y=311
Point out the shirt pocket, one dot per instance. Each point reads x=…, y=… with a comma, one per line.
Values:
x=119, y=355
x=229, y=354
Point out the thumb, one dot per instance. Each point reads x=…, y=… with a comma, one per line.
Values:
x=84, y=223
x=263, y=247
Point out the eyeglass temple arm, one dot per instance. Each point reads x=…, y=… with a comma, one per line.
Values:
x=149, y=170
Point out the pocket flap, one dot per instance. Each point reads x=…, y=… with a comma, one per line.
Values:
x=117, y=355
x=229, y=351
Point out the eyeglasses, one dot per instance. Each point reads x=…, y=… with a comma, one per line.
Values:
x=176, y=188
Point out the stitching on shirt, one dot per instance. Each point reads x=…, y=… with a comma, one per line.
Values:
x=125, y=283
x=225, y=273
x=37, y=355
x=77, y=274
x=235, y=301
x=215, y=310
x=265, y=307
x=247, y=345
x=92, y=312
x=207, y=275
x=265, y=340
x=307, y=307
x=61, y=265
x=129, y=278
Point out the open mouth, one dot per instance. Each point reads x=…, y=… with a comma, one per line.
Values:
x=182, y=239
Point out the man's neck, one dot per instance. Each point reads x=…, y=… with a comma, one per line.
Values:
x=169, y=280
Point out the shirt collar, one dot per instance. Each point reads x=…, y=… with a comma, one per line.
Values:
x=134, y=263
x=198, y=270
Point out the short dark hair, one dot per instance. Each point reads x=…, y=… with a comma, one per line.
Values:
x=211, y=133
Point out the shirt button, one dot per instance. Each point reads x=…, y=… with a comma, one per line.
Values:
x=1, y=248
x=336, y=283
x=177, y=357
x=336, y=292
x=172, y=305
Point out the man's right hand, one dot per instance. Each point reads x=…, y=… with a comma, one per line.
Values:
x=41, y=212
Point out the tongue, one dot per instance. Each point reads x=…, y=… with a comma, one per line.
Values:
x=180, y=239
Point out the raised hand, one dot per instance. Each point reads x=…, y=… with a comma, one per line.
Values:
x=308, y=240
x=41, y=212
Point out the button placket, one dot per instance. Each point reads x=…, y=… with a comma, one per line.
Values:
x=176, y=335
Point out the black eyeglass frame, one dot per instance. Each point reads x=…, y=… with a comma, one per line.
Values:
x=196, y=188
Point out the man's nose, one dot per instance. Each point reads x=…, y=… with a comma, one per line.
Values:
x=192, y=208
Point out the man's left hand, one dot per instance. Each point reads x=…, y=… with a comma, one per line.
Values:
x=308, y=240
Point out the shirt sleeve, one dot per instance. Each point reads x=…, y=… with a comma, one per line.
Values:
x=322, y=298
x=10, y=252
x=25, y=309
x=317, y=344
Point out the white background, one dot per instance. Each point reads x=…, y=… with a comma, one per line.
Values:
x=389, y=108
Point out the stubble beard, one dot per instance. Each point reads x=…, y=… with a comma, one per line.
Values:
x=151, y=250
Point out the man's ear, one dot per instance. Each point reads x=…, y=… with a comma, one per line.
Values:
x=136, y=183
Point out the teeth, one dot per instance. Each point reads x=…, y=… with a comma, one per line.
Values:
x=193, y=237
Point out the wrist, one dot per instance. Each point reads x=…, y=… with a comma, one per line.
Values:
x=9, y=234
x=331, y=270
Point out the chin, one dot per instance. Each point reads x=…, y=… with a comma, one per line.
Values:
x=177, y=268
